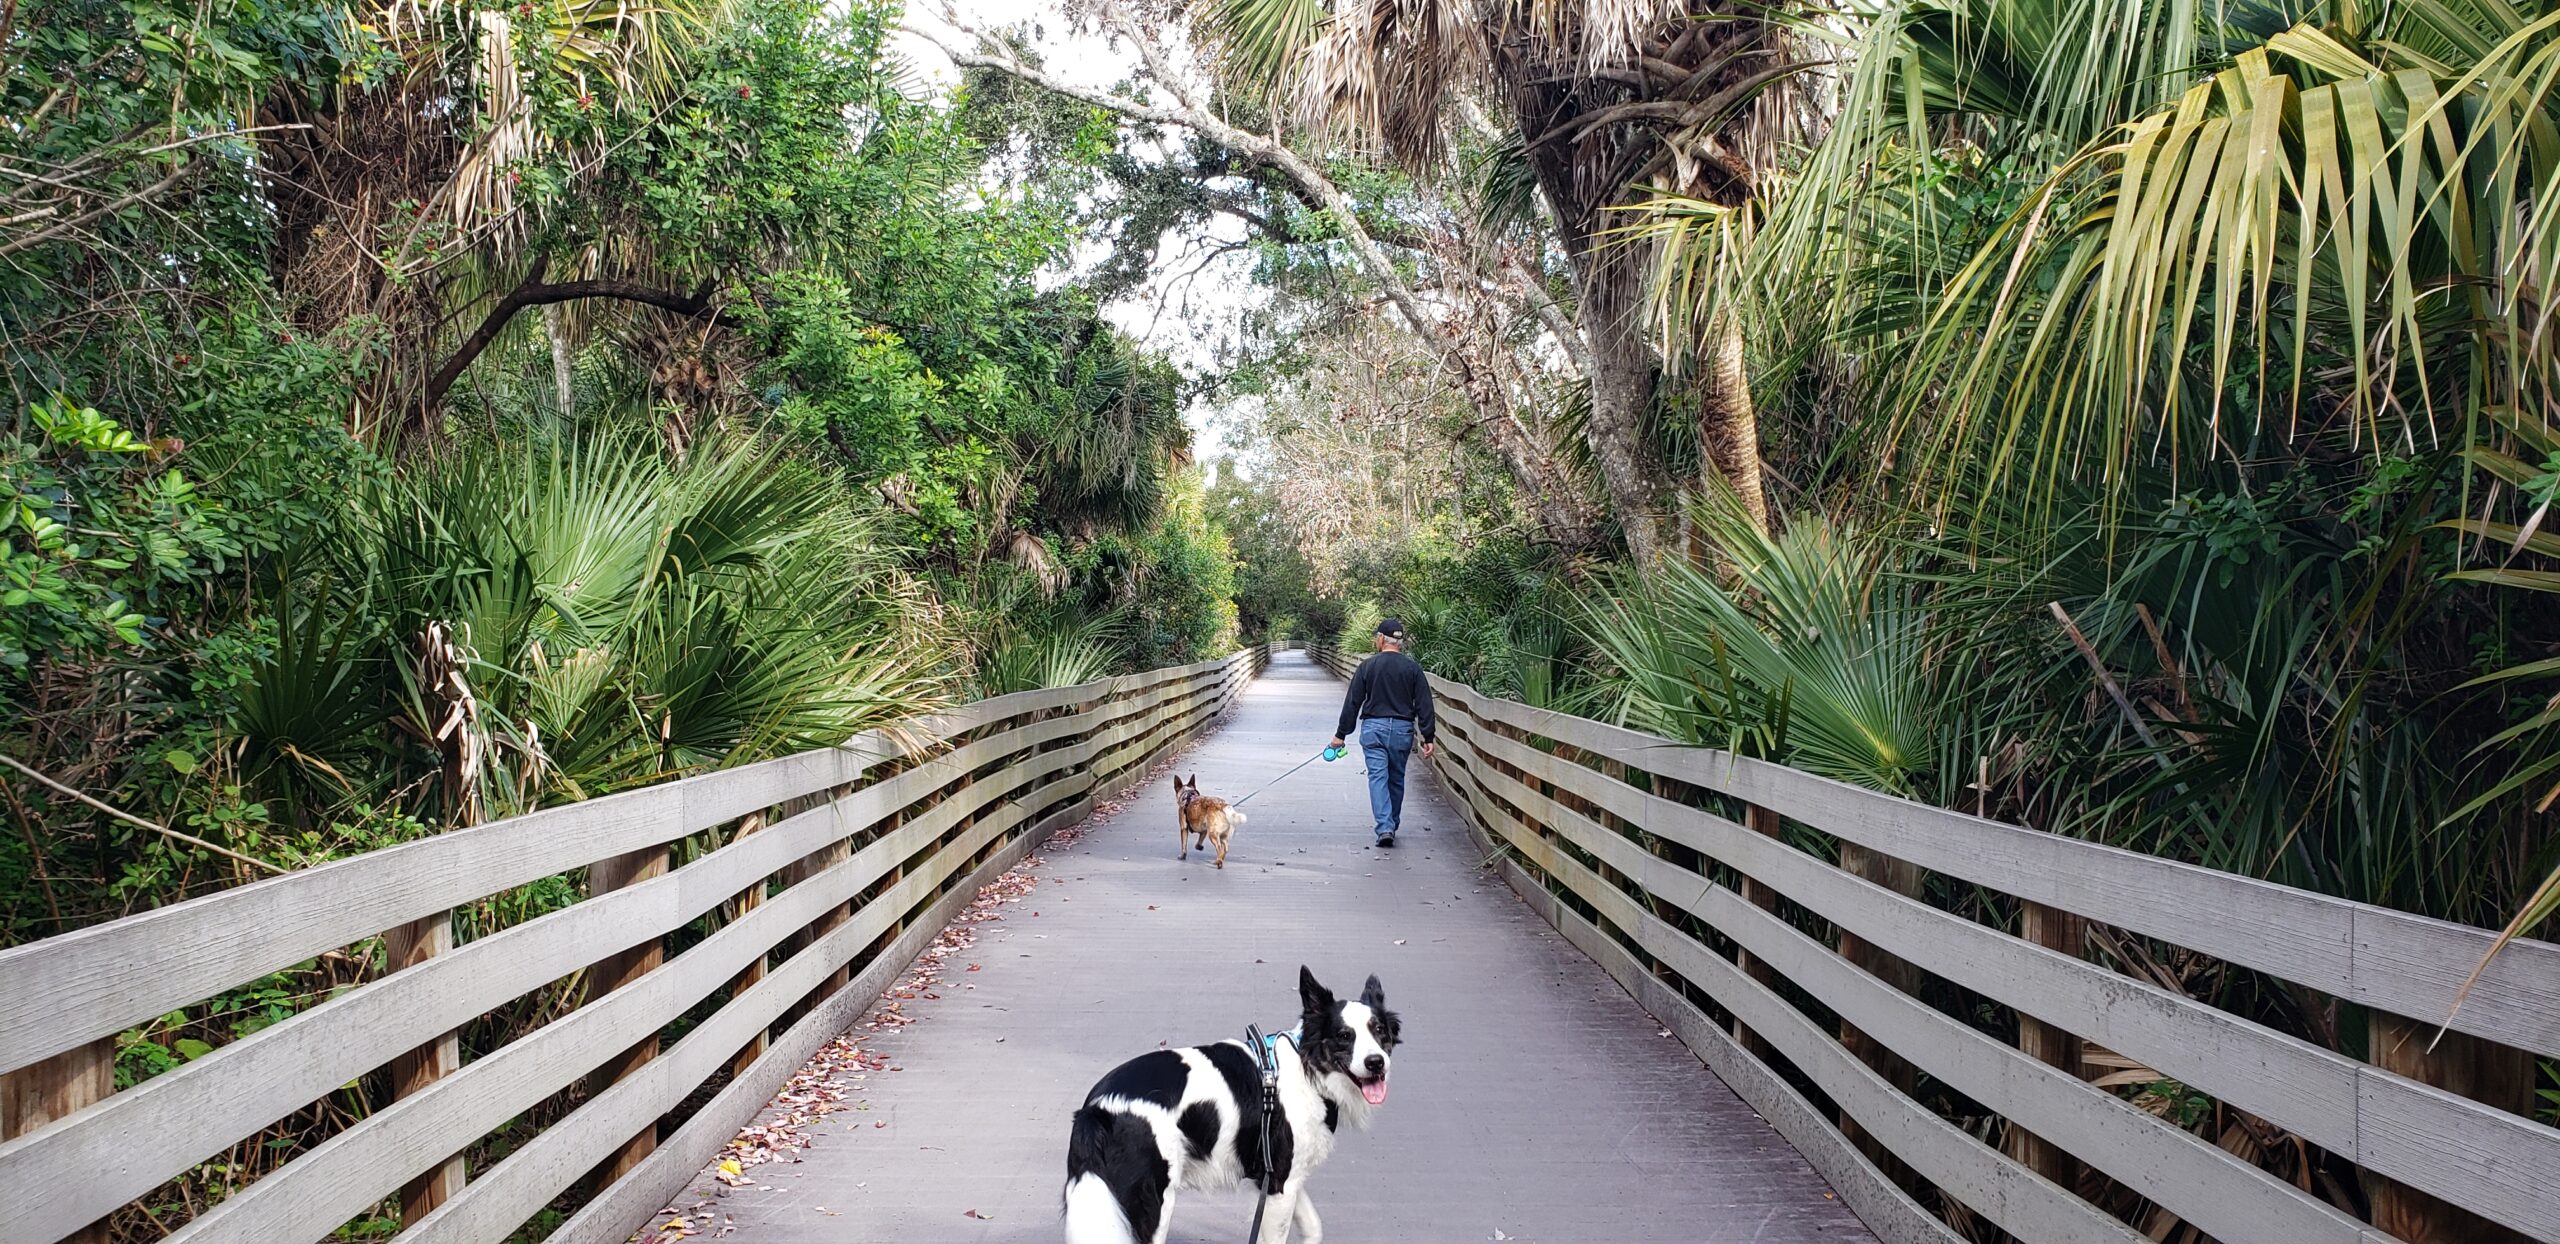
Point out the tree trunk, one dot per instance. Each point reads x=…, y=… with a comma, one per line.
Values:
x=1622, y=388
x=1609, y=279
x=564, y=357
x=1728, y=424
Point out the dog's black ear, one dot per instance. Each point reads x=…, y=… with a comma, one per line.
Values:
x=1390, y=1028
x=1313, y=999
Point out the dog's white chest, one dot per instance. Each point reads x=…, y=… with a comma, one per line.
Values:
x=1305, y=1109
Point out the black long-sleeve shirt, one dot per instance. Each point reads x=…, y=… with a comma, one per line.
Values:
x=1389, y=684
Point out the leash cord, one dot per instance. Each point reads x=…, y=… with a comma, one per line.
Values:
x=1269, y=1185
x=1276, y=781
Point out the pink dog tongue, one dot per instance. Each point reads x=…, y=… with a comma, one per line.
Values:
x=1375, y=1091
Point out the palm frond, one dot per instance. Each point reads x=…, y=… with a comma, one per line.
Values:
x=1261, y=40
x=2226, y=244
x=1379, y=71
x=1810, y=654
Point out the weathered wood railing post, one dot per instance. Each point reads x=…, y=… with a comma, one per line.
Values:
x=613, y=972
x=1764, y=822
x=747, y=901
x=968, y=820
x=836, y=853
x=2053, y=929
x=2456, y=1062
x=1903, y=878
x=39, y=1093
x=897, y=870
x=407, y=946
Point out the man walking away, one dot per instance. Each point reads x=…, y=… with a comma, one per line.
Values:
x=1390, y=698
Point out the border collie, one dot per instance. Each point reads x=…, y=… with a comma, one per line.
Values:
x=1192, y=1118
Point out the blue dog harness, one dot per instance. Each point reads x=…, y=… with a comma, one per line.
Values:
x=1270, y=1047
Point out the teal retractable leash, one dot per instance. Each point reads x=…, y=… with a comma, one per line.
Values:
x=1265, y=1048
x=1328, y=754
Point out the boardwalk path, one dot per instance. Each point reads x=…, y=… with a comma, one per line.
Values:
x=1531, y=1098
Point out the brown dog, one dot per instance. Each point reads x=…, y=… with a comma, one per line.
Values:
x=1200, y=817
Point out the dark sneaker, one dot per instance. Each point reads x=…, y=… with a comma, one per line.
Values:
x=1386, y=840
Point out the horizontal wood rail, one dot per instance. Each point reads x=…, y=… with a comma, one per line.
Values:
x=1704, y=918
x=833, y=869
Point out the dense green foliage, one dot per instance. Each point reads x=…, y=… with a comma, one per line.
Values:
x=420, y=414
x=679, y=403
x=2128, y=419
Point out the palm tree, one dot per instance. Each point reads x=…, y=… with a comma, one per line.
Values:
x=1600, y=99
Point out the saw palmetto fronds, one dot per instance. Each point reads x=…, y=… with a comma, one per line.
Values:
x=1811, y=653
x=2305, y=198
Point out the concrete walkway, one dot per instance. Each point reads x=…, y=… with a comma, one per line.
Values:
x=1532, y=1100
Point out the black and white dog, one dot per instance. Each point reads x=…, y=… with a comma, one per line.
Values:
x=1192, y=1118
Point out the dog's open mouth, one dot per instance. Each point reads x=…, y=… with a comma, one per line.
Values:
x=1373, y=1091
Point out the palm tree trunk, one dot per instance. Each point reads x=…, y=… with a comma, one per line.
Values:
x=1728, y=423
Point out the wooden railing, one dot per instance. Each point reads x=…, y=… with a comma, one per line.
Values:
x=806, y=884
x=1324, y=653
x=1694, y=876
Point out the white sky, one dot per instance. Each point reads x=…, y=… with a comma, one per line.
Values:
x=1186, y=310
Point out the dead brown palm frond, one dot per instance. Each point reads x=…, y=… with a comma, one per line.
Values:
x=484, y=183
x=1381, y=70
x=1598, y=34
x=1030, y=554
x=615, y=53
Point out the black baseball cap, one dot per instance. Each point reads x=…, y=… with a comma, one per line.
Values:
x=1392, y=628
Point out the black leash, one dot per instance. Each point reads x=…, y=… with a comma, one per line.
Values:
x=1270, y=1183
x=1237, y=803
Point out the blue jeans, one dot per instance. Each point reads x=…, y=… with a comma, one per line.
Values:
x=1386, y=743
